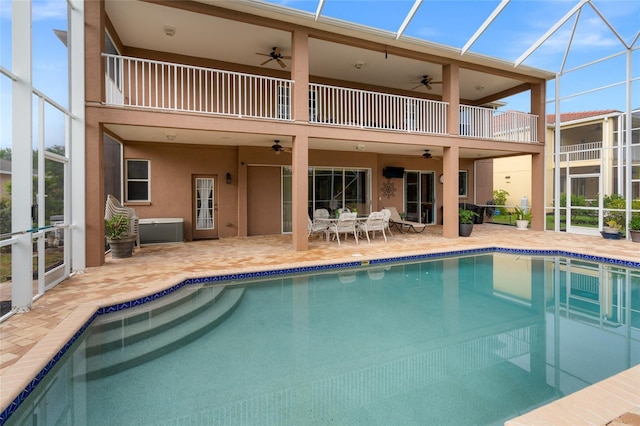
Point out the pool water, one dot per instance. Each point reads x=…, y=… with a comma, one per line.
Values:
x=471, y=340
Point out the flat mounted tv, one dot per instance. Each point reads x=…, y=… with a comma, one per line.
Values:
x=393, y=172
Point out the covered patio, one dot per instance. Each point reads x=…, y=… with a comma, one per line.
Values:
x=31, y=339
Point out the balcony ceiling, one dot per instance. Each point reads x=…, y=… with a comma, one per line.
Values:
x=213, y=37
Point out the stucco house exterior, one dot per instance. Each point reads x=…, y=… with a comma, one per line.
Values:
x=588, y=156
x=186, y=110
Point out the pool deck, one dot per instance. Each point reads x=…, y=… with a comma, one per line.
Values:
x=29, y=340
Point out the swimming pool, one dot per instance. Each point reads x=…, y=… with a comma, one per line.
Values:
x=455, y=340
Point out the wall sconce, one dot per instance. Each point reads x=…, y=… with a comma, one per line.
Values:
x=228, y=177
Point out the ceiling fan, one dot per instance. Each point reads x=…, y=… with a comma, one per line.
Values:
x=426, y=82
x=275, y=55
x=426, y=154
x=277, y=148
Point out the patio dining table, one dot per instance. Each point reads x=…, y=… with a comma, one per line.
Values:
x=331, y=220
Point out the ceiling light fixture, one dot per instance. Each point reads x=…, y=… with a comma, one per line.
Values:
x=358, y=65
x=170, y=136
x=479, y=87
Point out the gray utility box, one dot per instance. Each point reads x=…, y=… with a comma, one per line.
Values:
x=161, y=230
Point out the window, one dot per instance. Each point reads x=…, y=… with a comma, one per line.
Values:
x=462, y=183
x=138, y=180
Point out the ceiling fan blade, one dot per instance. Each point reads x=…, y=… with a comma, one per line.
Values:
x=282, y=64
x=435, y=82
x=263, y=54
x=266, y=61
x=417, y=86
x=276, y=51
x=428, y=86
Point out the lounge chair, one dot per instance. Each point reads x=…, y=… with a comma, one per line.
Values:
x=404, y=226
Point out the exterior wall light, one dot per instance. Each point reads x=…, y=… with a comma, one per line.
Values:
x=228, y=177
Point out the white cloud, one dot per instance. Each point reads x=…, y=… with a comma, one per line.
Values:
x=49, y=9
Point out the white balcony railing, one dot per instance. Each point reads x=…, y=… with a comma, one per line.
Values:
x=478, y=122
x=162, y=85
x=359, y=108
x=135, y=82
x=581, y=151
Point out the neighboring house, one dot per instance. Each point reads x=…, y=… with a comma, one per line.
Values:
x=590, y=146
x=5, y=177
x=243, y=118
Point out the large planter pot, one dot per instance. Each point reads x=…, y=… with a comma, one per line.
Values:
x=635, y=235
x=522, y=225
x=122, y=248
x=464, y=229
x=610, y=235
x=610, y=230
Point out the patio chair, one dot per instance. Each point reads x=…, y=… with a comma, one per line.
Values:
x=346, y=224
x=317, y=227
x=374, y=222
x=387, y=219
x=404, y=226
x=320, y=214
x=113, y=207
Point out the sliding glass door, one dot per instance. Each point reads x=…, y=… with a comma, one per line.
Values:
x=419, y=196
x=332, y=189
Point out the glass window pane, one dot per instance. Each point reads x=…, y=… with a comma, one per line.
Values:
x=137, y=191
x=137, y=169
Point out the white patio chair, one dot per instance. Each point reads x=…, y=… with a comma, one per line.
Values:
x=375, y=222
x=317, y=227
x=346, y=224
x=113, y=207
x=320, y=214
x=387, y=217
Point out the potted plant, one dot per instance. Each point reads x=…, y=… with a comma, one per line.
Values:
x=465, y=222
x=523, y=217
x=634, y=227
x=499, y=199
x=611, y=229
x=118, y=237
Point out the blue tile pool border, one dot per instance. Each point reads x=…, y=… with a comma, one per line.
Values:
x=24, y=394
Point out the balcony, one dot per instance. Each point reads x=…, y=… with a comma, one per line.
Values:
x=140, y=83
x=581, y=152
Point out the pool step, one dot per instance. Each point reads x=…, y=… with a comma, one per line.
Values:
x=152, y=334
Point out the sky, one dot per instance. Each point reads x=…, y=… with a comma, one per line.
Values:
x=518, y=27
x=452, y=23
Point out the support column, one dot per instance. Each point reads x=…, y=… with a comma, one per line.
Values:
x=451, y=95
x=300, y=189
x=77, y=154
x=300, y=76
x=94, y=18
x=450, y=166
x=243, y=186
x=21, y=158
x=300, y=154
x=538, y=102
x=537, y=192
x=95, y=196
x=538, y=95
